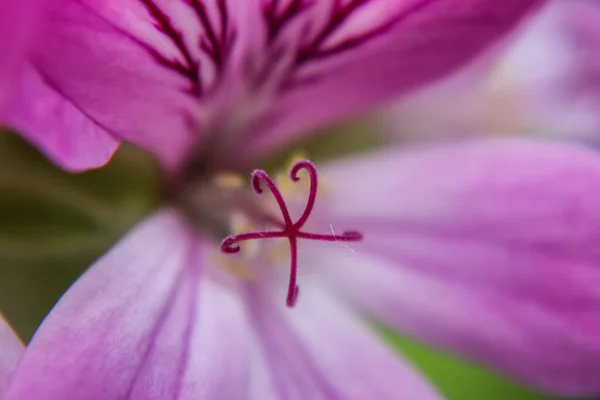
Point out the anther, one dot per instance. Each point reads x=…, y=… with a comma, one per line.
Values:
x=290, y=230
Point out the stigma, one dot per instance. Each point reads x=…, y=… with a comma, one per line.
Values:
x=291, y=230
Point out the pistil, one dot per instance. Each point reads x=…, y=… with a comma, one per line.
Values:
x=289, y=229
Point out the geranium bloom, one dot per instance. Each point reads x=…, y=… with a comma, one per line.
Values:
x=17, y=22
x=493, y=263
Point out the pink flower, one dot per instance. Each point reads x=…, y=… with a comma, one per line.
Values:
x=469, y=247
x=17, y=22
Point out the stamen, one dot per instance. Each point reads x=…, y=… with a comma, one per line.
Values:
x=290, y=230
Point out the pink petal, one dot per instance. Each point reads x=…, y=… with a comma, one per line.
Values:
x=142, y=323
x=107, y=81
x=113, y=63
x=318, y=350
x=147, y=70
x=351, y=74
x=536, y=85
x=17, y=22
x=486, y=249
x=11, y=350
x=56, y=126
x=581, y=20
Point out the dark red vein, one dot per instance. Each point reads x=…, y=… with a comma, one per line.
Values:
x=210, y=44
x=277, y=21
x=338, y=17
x=315, y=49
x=189, y=67
x=355, y=41
x=224, y=20
x=217, y=41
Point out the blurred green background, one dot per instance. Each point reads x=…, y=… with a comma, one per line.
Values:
x=53, y=225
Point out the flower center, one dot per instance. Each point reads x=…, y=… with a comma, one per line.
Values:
x=289, y=229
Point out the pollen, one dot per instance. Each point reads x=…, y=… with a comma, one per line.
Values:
x=291, y=230
x=227, y=180
x=238, y=268
x=240, y=223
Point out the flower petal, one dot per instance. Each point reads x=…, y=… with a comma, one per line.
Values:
x=156, y=72
x=581, y=20
x=487, y=249
x=137, y=70
x=536, y=85
x=142, y=323
x=360, y=54
x=318, y=350
x=17, y=22
x=107, y=79
x=56, y=126
x=11, y=350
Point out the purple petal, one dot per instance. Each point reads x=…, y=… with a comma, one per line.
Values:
x=379, y=51
x=486, y=249
x=581, y=20
x=137, y=70
x=318, y=350
x=159, y=72
x=95, y=73
x=56, y=126
x=541, y=83
x=142, y=323
x=17, y=22
x=11, y=350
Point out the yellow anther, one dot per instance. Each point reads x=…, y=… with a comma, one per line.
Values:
x=240, y=269
x=237, y=268
x=279, y=253
x=228, y=180
x=240, y=224
x=272, y=252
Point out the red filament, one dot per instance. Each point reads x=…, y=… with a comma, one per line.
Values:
x=290, y=230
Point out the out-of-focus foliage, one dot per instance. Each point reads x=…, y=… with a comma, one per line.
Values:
x=54, y=224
